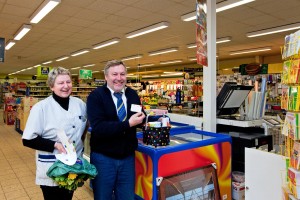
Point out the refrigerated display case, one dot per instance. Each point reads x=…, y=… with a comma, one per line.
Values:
x=189, y=151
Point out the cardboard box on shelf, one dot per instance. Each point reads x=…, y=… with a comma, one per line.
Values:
x=23, y=119
x=238, y=191
x=23, y=113
x=19, y=113
x=28, y=102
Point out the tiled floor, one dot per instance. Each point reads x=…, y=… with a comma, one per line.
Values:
x=17, y=169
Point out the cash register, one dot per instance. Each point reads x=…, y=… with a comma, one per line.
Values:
x=245, y=132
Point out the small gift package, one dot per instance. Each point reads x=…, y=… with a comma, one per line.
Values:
x=157, y=133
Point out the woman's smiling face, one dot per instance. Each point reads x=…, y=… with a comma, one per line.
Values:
x=62, y=86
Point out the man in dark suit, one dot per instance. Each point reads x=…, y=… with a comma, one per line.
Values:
x=113, y=112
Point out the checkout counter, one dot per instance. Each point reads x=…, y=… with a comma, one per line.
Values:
x=244, y=133
x=195, y=163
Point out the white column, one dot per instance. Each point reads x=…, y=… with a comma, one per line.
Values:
x=209, y=72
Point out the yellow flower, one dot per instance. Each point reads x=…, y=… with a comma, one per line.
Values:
x=72, y=176
x=62, y=183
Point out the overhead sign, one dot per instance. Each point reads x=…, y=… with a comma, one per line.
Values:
x=85, y=74
x=263, y=69
x=201, y=32
x=43, y=71
x=2, y=49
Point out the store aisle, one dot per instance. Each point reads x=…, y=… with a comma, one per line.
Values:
x=17, y=169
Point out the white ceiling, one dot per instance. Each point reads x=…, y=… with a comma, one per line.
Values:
x=79, y=24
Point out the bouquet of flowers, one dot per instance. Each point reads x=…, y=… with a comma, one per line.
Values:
x=72, y=177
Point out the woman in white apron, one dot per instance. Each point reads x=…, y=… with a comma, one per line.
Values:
x=60, y=111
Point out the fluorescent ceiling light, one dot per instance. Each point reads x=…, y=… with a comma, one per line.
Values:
x=146, y=65
x=189, y=16
x=277, y=29
x=106, y=43
x=195, y=58
x=170, y=62
x=223, y=39
x=95, y=72
x=45, y=63
x=75, y=68
x=192, y=58
x=29, y=68
x=224, y=5
x=153, y=53
x=132, y=57
x=147, y=29
x=90, y=65
x=190, y=46
x=22, y=31
x=250, y=50
x=173, y=74
x=62, y=58
x=35, y=66
x=218, y=41
x=150, y=76
x=74, y=74
x=10, y=44
x=82, y=51
x=43, y=10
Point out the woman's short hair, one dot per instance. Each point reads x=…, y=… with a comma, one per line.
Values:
x=113, y=63
x=54, y=73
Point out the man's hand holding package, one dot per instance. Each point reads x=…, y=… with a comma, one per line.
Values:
x=136, y=119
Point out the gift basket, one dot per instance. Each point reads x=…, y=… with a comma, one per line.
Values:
x=157, y=133
x=71, y=177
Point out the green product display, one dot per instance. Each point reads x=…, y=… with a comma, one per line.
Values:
x=85, y=74
x=71, y=177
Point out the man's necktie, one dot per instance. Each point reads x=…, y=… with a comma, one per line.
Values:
x=120, y=107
